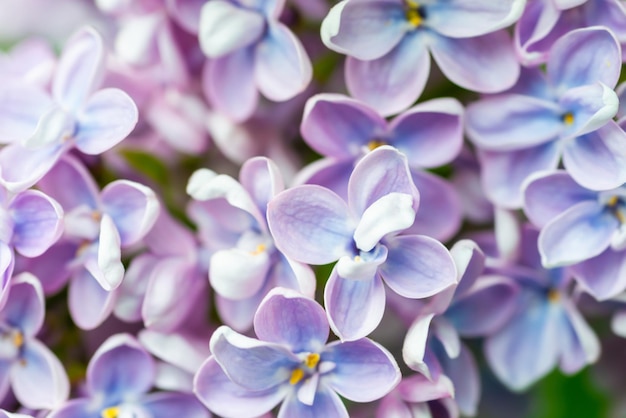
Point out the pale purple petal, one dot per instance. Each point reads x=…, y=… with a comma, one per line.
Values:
x=54, y=127
x=364, y=370
x=512, y=352
x=37, y=222
x=485, y=307
x=591, y=106
x=107, y=267
x=120, y=369
x=287, y=317
x=328, y=172
x=503, y=173
x=226, y=26
x=168, y=405
x=325, y=404
x=7, y=263
x=579, y=233
x=512, y=121
x=238, y=274
x=133, y=208
x=282, y=67
x=20, y=109
x=603, y=276
x=439, y=215
x=365, y=30
x=417, y=266
x=39, y=380
x=70, y=183
x=581, y=346
x=53, y=268
x=598, y=160
x=253, y=364
x=460, y=19
x=340, y=127
x=363, y=266
x=218, y=393
x=384, y=170
x=414, y=345
x=79, y=70
x=106, y=119
x=75, y=408
x=133, y=288
x=34, y=164
x=25, y=307
x=394, y=81
x=431, y=133
x=541, y=24
x=262, y=178
x=354, y=307
x=585, y=56
x=89, y=303
x=230, y=86
x=295, y=217
x=463, y=61
x=469, y=260
x=609, y=13
x=549, y=194
x=464, y=374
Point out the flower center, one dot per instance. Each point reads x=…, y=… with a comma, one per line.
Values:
x=616, y=206
x=375, y=143
x=310, y=362
x=568, y=119
x=259, y=249
x=415, y=14
x=110, y=412
x=554, y=295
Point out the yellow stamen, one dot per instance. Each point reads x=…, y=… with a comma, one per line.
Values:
x=568, y=119
x=112, y=412
x=18, y=339
x=375, y=143
x=296, y=376
x=357, y=258
x=413, y=13
x=258, y=250
x=554, y=295
x=612, y=202
x=96, y=216
x=311, y=360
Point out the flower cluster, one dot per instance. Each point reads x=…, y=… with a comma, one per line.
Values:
x=195, y=193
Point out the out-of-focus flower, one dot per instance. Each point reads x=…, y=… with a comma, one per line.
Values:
x=291, y=363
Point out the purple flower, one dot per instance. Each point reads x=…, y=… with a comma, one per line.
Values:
x=416, y=396
x=387, y=43
x=244, y=262
x=119, y=376
x=314, y=225
x=77, y=114
x=249, y=51
x=544, y=21
x=430, y=134
x=291, y=363
x=97, y=226
x=567, y=112
x=36, y=376
x=582, y=228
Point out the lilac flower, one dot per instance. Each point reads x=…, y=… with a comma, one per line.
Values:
x=30, y=222
x=77, y=114
x=313, y=225
x=291, y=363
x=546, y=328
x=568, y=112
x=5, y=414
x=387, y=43
x=244, y=262
x=416, y=396
x=580, y=227
x=97, y=226
x=36, y=376
x=119, y=376
x=31, y=61
x=249, y=51
x=478, y=306
x=430, y=134
x=544, y=21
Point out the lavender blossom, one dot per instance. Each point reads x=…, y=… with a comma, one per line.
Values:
x=291, y=363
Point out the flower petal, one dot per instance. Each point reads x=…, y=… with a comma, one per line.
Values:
x=287, y=317
x=218, y=393
x=37, y=222
x=25, y=307
x=463, y=61
x=253, y=364
x=394, y=81
x=34, y=164
x=89, y=303
x=414, y=345
x=418, y=266
x=354, y=307
x=283, y=68
x=592, y=106
x=326, y=404
x=106, y=119
x=364, y=370
x=295, y=216
x=21, y=107
x=585, y=56
x=167, y=405
x=238, y=274
x=603, y=276
x=39, y=380
x=226, y=27
x=70, y=183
